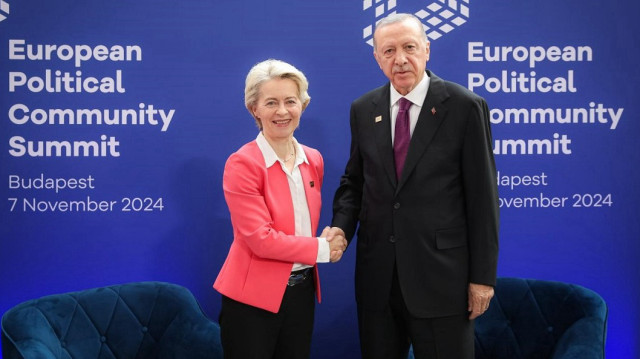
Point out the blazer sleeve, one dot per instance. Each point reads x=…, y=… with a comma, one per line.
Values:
x=245, y=185
x=348, y=196
x=481, y=195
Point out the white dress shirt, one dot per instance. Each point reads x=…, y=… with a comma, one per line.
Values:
x=296, y=186
x=416, y=96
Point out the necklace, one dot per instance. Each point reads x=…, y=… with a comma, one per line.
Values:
x=291, y=155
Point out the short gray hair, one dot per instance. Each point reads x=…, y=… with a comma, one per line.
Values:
x=396, y=18
x=268, y=70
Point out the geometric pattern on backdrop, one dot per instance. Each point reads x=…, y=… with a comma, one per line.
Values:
x=4, y=9
x=438, y=17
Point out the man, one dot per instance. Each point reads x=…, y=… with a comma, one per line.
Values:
x=427, y=244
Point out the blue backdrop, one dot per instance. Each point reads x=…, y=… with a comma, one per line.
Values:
x=116, y=119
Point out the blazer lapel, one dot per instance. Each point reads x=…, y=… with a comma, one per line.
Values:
x=381, y=121
x=432, y=114
x=310, y=179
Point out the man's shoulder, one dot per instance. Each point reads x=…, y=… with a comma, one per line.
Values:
x=456, y=90
x=372, y=96
x=457, y=96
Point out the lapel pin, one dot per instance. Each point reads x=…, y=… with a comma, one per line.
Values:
x=378, y=119
x=312, y=183
x=433, y=110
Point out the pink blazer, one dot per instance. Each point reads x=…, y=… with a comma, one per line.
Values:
x=264, y=249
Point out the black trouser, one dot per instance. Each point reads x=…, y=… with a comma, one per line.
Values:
x=387, y=334
x=252, y=333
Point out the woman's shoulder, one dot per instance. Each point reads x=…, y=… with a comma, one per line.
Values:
x=247, y=156
x=249, y=150
x=311, y=153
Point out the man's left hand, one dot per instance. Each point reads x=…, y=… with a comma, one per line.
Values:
x=479, y=297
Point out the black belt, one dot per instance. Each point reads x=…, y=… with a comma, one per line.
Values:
x=299, y=276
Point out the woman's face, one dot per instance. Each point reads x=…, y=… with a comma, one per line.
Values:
x=278, y=108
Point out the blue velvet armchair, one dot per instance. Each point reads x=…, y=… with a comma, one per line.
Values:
x=538, y=319
x=542, y=319
x=134, y=320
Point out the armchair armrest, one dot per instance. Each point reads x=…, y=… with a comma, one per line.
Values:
x=30, y=349
x=583, y=340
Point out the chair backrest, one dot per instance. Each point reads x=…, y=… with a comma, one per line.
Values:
x=542, y=319
x=134, y=320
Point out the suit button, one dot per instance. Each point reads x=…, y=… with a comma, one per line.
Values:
x=392, y=239
x=396, y=205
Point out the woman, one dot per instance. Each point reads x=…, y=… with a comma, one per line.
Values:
x=272, y=188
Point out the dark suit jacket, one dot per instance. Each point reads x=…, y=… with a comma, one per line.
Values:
x=439, y=223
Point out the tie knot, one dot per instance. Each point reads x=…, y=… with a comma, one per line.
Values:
x=404, y=104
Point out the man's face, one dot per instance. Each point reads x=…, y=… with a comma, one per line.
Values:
x=402, y=54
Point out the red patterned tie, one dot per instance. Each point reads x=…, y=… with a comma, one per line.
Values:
x=402, y=135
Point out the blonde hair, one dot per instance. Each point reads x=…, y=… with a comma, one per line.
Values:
x=268, y=70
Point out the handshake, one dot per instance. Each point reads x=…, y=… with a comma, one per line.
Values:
x=337, y=242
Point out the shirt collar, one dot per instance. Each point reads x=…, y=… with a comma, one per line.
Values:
x=270, y=156
x=416, y=96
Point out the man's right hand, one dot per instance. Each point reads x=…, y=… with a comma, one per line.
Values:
x=337, y=242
